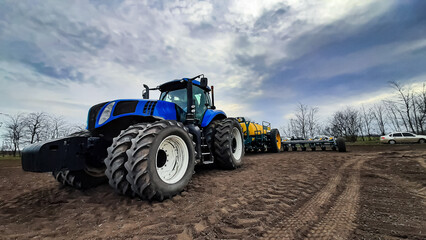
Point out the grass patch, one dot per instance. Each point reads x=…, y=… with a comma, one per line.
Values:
x=363, y=143
x=370, y=141
x=9, y=158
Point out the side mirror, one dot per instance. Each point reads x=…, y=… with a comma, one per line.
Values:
x=145, y=92
x=203, y=82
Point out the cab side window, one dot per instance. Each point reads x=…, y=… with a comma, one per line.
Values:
x=201, y=102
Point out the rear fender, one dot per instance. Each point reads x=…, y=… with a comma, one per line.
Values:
x=211, y=115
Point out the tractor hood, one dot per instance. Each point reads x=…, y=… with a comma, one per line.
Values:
x=104, y=113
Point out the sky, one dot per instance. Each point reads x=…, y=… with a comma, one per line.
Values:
x=263, y=57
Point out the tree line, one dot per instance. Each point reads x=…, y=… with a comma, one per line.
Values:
x=27, y=128
x=404, y=111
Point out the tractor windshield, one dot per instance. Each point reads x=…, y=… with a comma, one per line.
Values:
x=179, y=97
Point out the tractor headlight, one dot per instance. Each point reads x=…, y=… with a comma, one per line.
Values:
x=106, y=113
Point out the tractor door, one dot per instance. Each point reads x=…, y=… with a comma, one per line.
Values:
x=201, y=102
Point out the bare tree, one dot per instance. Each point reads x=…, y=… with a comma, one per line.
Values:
x=379, y=115
x=346, y=123
x=366, y=120
x=302, y=119
x=292, y=129
x=23, y=129
x=58, y=127
x=313, y=124
x=391, y=115
x=5, y=147
x=15, y=126
x=328, y=130
x=283, y=131
x=420, y=103
x=76, y=128
x=353, y=122
x=405, y=96
x=306, y=121
x=36, y=124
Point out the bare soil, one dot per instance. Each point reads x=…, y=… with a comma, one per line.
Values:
x=369, y=192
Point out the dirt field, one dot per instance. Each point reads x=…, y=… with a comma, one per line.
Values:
x=370, y=192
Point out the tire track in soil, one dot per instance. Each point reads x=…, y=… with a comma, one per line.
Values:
x=254, y=204
x=288, y=228
x=338, y=223
x=257, y=205
x=422, y=161
x=246, y=214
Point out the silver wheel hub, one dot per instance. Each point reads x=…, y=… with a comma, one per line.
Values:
x=236, y=144
x=172, y=159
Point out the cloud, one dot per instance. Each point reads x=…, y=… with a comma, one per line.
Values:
x=362, y=60
x=262, y=56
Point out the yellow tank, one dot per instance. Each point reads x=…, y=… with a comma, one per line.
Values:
x=253, y=128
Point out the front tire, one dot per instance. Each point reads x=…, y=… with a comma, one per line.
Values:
x=161, y=160
x=341, y=145
x=117, y=157
x=228, y=144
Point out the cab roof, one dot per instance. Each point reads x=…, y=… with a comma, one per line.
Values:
x=179, y=84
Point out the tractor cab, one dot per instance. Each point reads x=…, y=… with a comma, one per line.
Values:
x=191, y=100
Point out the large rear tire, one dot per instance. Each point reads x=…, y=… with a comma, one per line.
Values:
x=228, y=144
x=210, y=131
x=275, y=140
x=161, y=160
x=117, y=157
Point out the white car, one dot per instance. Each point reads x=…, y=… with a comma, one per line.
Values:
x=402, y=137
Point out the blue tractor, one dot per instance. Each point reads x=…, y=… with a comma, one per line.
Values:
x=146, y=148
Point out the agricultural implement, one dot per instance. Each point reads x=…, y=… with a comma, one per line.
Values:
x=314, y=144
x=146, y=148
x=260, y=137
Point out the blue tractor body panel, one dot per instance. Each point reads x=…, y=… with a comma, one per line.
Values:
x=148, y=108
x=144, y=108
x=210, y=114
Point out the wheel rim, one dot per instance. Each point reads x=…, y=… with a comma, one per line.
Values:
x=278, y=141
x=392, y=142
x=236, y=143
x=172, y=159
